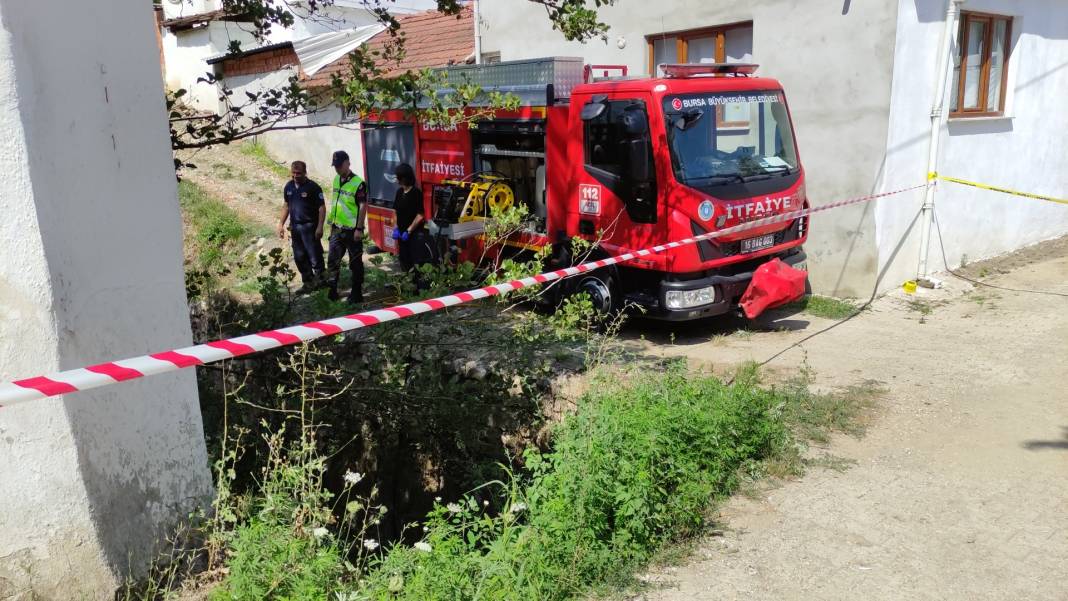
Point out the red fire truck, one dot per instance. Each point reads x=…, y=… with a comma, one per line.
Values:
x=626, y=162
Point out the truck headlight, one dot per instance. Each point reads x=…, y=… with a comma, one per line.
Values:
x=684, y=299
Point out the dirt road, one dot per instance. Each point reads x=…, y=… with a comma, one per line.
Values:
x=959, y=489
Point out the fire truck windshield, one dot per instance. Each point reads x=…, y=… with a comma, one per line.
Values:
x=731, y=137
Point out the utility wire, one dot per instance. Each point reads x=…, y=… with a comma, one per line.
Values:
x=858, y=311
x=874, y=292
x=945, y=261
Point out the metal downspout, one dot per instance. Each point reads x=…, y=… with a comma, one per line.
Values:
x=937, y=119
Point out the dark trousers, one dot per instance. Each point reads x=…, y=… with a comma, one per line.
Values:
x=341, y=242
x=415, y=251
x=307, y=252
x=404, y=254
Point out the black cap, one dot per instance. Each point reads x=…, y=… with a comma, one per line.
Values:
x=340, y=156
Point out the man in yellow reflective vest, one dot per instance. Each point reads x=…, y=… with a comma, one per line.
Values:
x=346, y=219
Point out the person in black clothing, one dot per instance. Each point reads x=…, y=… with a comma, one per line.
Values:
x=305, y=209
x=408, y=229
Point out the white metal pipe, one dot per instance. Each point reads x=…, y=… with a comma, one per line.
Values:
x=478, y=33
x=937, y=119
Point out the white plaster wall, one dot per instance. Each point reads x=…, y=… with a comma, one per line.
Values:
x=173, y=9
x=315, y=145
x=92, y=271
x=186, y=53
x=1026, y=150
x=835, y=62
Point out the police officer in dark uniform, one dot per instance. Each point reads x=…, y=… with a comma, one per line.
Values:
x=305, y=209
x=346, y=218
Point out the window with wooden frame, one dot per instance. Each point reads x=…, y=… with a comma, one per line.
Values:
x=721, y=44
x=980, y=66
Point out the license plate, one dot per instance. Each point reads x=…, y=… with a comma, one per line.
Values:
x=759, y=243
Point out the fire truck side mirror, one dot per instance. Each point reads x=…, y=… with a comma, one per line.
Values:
x=592, y=109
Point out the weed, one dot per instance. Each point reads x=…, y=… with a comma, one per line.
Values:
x=920, y=306
x=923, y=307
x=632, y=470
x=831, y=462
x=258, y=152
x=744, y=334
x=217, y=228
x=813, y=416
x=266, y=185
x=720, y=340
x=630, y=479
x=223, y=171
x=984, y=298
x=825, y=306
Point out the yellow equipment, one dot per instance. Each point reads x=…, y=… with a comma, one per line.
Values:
x=486, y=194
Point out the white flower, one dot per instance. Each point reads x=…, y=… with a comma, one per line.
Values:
x=421, y=546
x=426, y=529
x=485, y=503
x=517, y=507
x=370, y=544
x=437, y=499
x=320, y=532
x=453, y=508
x=353, y=478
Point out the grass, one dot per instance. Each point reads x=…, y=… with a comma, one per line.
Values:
x=216, y=227
x=218, y=232
x=825, y=306
x=259, y=152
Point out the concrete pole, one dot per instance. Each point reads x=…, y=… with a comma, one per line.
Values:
x=937, y=120
x=91, y=269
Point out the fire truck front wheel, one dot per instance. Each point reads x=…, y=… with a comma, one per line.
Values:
x=602, y=291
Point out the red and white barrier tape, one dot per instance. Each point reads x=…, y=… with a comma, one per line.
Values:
x=113, y=372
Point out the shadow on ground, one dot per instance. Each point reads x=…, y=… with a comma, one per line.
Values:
x=689, y=333
x=1039, y=445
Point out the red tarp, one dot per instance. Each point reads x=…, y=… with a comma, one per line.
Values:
x=774, y=283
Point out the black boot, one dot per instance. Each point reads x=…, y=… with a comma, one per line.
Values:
x=355, y=298
x=332, y=293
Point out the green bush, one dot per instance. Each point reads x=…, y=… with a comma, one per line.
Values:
x=634, y=468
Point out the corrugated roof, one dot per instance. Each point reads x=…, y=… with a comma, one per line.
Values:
x=218, y=58
x=180, y=23
x=431, y=39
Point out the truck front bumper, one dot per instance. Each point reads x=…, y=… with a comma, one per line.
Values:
x=729, y=289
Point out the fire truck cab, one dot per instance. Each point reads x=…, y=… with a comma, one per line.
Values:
x=627, y=163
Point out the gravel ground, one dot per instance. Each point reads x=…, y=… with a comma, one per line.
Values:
x=960, y=488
